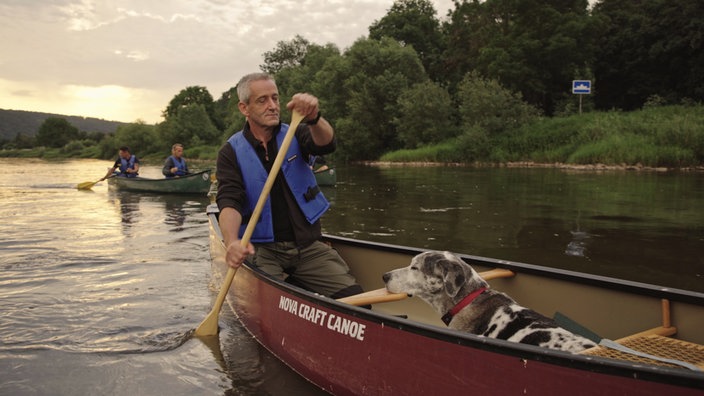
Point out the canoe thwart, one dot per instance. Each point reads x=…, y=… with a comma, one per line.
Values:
x=497, y=273
x=372, y=297
x=382, y=295
x=665, y=330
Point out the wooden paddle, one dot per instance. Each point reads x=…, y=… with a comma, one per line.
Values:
x=89, y=185
x=86, y=185
x=382, y=295
x=209, y=326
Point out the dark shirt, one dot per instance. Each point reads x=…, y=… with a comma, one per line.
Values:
x=290, y=225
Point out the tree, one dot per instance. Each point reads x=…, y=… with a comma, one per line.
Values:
x=426, y=115
x=649, y=48
x=329, y=85
x=468, y=30
x=286, y=54
x=56, y=132
x=140, y=137
x=372, y=75
x=484, y=103
x=225, y=109
x=303, y=76
x=535, y=47
x=21, y=141
x=191, y=126
x=188, y=96
x=414, y=23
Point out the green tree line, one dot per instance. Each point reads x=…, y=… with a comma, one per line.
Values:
x=474, y=83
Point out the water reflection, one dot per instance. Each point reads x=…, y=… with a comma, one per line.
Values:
x=580, y=239
x=175, y=214
x=128, y=205
x=578, y=245
x=176, y=208
x=252, y=369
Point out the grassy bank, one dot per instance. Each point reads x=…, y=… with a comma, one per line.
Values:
x=667, y=136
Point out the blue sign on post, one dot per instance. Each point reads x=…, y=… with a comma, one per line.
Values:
x=581, y=86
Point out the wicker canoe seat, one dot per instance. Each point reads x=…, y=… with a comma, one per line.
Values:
x=656, y=345
x=665, y=351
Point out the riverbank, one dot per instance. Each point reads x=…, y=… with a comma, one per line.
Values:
x=667, y=137
x=529, y=164
x=653, y=139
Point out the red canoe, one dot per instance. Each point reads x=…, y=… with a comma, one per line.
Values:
x=403, y=348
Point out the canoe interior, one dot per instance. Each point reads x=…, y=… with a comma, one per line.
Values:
x=609, y=307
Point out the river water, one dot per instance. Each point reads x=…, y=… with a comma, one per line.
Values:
x=100, y=289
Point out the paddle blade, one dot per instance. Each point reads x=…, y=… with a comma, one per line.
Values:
x=209, y=326
x=86, y=185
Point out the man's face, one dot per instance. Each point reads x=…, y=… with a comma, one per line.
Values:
x=177, y=152
x=124, y=154
x=263, y=107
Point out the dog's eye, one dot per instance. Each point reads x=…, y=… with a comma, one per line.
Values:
x=414, y=268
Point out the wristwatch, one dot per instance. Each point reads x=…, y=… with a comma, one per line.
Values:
x=315, y=121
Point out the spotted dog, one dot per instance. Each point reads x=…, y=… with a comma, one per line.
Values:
x=456, y=291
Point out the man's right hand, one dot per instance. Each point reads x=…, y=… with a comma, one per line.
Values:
x=236, y=253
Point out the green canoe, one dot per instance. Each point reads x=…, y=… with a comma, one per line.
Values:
x=194, y=183
x=327, y=177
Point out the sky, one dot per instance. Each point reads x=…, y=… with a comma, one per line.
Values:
x=124, y=60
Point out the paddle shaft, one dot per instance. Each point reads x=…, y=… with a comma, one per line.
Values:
x=209, y=326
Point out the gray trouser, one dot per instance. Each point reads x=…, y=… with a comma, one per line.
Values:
x=317, y=267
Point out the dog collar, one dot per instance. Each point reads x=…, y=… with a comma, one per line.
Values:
x=447, y=318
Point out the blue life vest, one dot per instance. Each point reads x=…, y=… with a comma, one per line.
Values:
x=299, y=178
x=125, y=164
x=180, y=164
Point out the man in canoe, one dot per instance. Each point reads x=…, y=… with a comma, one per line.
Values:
x=286, y=240
x=175, y=165
x=126, y=162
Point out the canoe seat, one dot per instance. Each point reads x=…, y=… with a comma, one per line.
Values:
x=655, y=342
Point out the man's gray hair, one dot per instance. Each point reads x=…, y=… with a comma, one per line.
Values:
x=243, y=90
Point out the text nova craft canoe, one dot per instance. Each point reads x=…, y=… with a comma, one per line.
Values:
x=194, y=183
x=403, y=348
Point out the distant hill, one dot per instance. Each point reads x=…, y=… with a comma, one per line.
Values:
x=13, y=122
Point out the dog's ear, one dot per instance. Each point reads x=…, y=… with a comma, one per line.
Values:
x=452, y=274
x=453, y=283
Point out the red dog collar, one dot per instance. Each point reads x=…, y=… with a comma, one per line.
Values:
x=447, y=318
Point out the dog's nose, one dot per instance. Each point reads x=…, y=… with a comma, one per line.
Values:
x=386, y=277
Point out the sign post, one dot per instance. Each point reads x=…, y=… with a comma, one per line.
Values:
x=581, y=87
